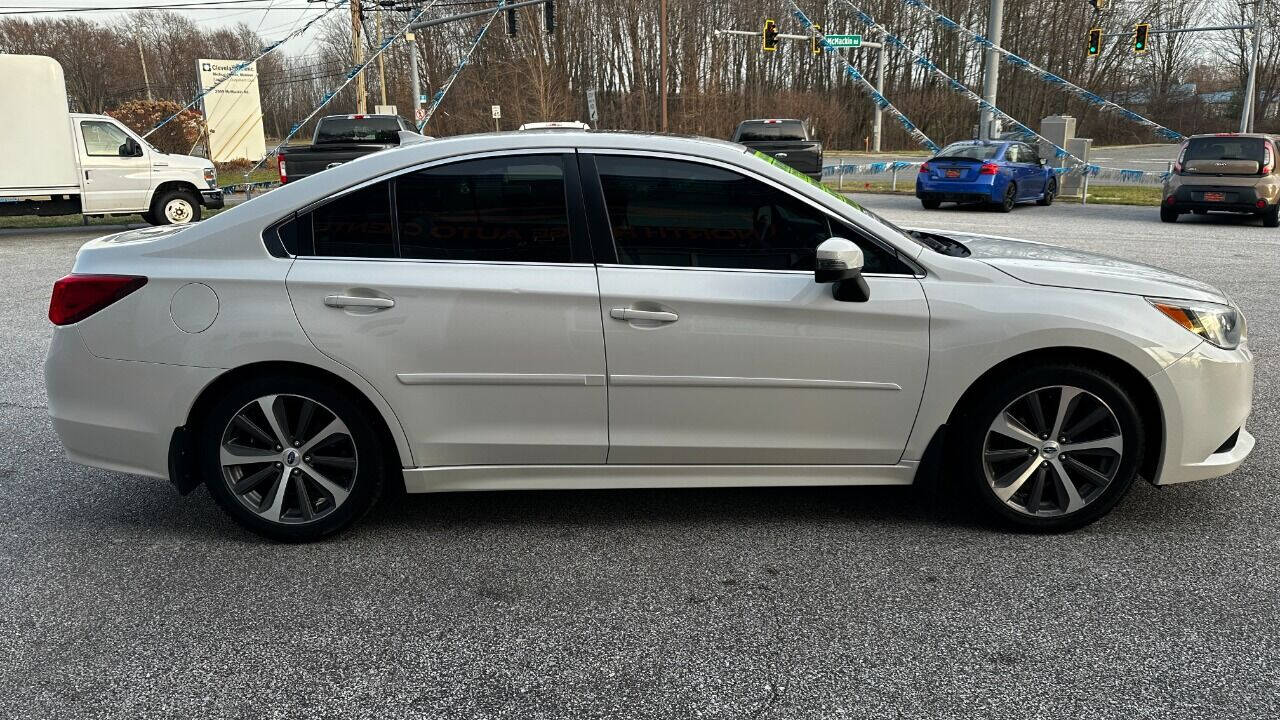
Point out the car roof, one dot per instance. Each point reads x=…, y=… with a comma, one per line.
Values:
x=1258, y=136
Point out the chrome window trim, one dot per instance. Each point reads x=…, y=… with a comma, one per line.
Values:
x=807, y=273
x=898, y=252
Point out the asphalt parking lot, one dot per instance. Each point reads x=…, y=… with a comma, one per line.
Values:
x=122, y=599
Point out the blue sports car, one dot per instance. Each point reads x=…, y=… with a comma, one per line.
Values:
x=1002, y=173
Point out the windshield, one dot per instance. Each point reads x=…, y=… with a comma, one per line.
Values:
x=969, y=151
x=366, y=129
x=937, y=243
x=771, y=131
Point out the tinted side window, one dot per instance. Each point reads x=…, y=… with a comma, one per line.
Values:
x=1013, y=154
x=357, y=224
x=496, y=209
x=668, y=212
x=1030, y=155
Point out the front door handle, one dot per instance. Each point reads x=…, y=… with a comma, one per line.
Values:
x=632, y=314
x=345, y=301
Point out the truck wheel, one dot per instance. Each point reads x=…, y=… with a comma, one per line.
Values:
x=175, y=207
x=148, y=218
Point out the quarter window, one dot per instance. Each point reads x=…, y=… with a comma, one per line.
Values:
x=684, y=214
x=508, y=209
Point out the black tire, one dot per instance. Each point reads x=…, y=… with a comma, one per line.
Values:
x=930, y=204
x=1271, y=217
x=1168, y=214
x=1050, y=192
x=1010, y=199
x=974, y=448
x=162, y=201
x=148, y=218
x=365, y=471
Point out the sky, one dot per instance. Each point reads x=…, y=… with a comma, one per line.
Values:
x=272, y=18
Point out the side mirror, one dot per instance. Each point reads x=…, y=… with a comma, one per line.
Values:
x=1043, y=162
x=130, y=148
x=839, y=261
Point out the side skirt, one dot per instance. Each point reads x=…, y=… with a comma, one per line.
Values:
x=594, y=477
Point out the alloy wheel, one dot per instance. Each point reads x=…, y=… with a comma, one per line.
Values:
x=288, y=459
x=1052, y=451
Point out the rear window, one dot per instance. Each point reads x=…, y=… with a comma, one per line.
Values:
x=372, y=130
x=1225, y=148
x=769, y=132
x=972, y=152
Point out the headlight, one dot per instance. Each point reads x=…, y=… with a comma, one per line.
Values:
x=210, y=175
x=1221, y=325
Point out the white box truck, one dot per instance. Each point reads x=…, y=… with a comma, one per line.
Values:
x=55, y=162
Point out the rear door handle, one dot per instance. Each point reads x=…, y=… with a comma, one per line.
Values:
x=779, y=154
x=345, y=301
x=632, y=314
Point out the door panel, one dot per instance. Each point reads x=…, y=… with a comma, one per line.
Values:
x=760, y=367
x=485, y=364
x=112, y=182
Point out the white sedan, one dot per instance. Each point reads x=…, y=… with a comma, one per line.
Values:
x=598, y=310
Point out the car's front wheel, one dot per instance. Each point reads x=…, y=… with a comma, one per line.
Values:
x=1051, y=448
x=290, y=459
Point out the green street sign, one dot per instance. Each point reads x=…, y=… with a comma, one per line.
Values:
x=844, y=41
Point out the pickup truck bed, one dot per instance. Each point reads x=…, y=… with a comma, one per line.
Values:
x=790, y=141
x=340, y=139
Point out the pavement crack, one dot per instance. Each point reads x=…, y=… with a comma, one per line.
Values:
x=24, y=406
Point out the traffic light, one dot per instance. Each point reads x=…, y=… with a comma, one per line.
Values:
x=815, y=42
x=511, y=23
x=1140, y=33
x=549, y=16
x=1095, y=42
x=769, y=38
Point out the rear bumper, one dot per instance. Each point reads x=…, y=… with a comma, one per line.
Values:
x=952, y=196
x=980, y=191
x=1236, y=198
x=117, y=414
x=1206, y=397
x=212, y=199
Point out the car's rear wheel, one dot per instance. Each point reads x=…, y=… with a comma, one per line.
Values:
x=1010, y=199
x=290, y=459
x=1168, y=214
x=1050, y=192
x=930, y=203
x=1051, y=448
x=1271, y=216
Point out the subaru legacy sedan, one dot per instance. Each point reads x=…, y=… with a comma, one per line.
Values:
x=610, y=310
x=996, y=173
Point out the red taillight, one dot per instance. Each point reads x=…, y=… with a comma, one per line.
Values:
x=76, y=297
x=924, y=167
x=284, y=175
x=1169, y=200
x=1261, y=204
x=989, y=169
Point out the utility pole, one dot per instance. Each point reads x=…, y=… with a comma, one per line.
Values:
x=357, y=54
x=878, y=114
x=991, y=71
x=382, y=68
x=662, y=52
x=413, y=73
x=1248, y=108
x=145, y=79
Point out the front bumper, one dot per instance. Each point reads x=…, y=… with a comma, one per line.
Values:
x=212, y=199
x=117, y=414
x=1206, y=396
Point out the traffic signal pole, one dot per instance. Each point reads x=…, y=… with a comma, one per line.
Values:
x=991, y=69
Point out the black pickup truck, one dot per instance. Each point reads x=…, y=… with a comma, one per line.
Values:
x=340, y=139
x=790, y=141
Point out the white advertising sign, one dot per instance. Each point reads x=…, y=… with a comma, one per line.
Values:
x=233, y=110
